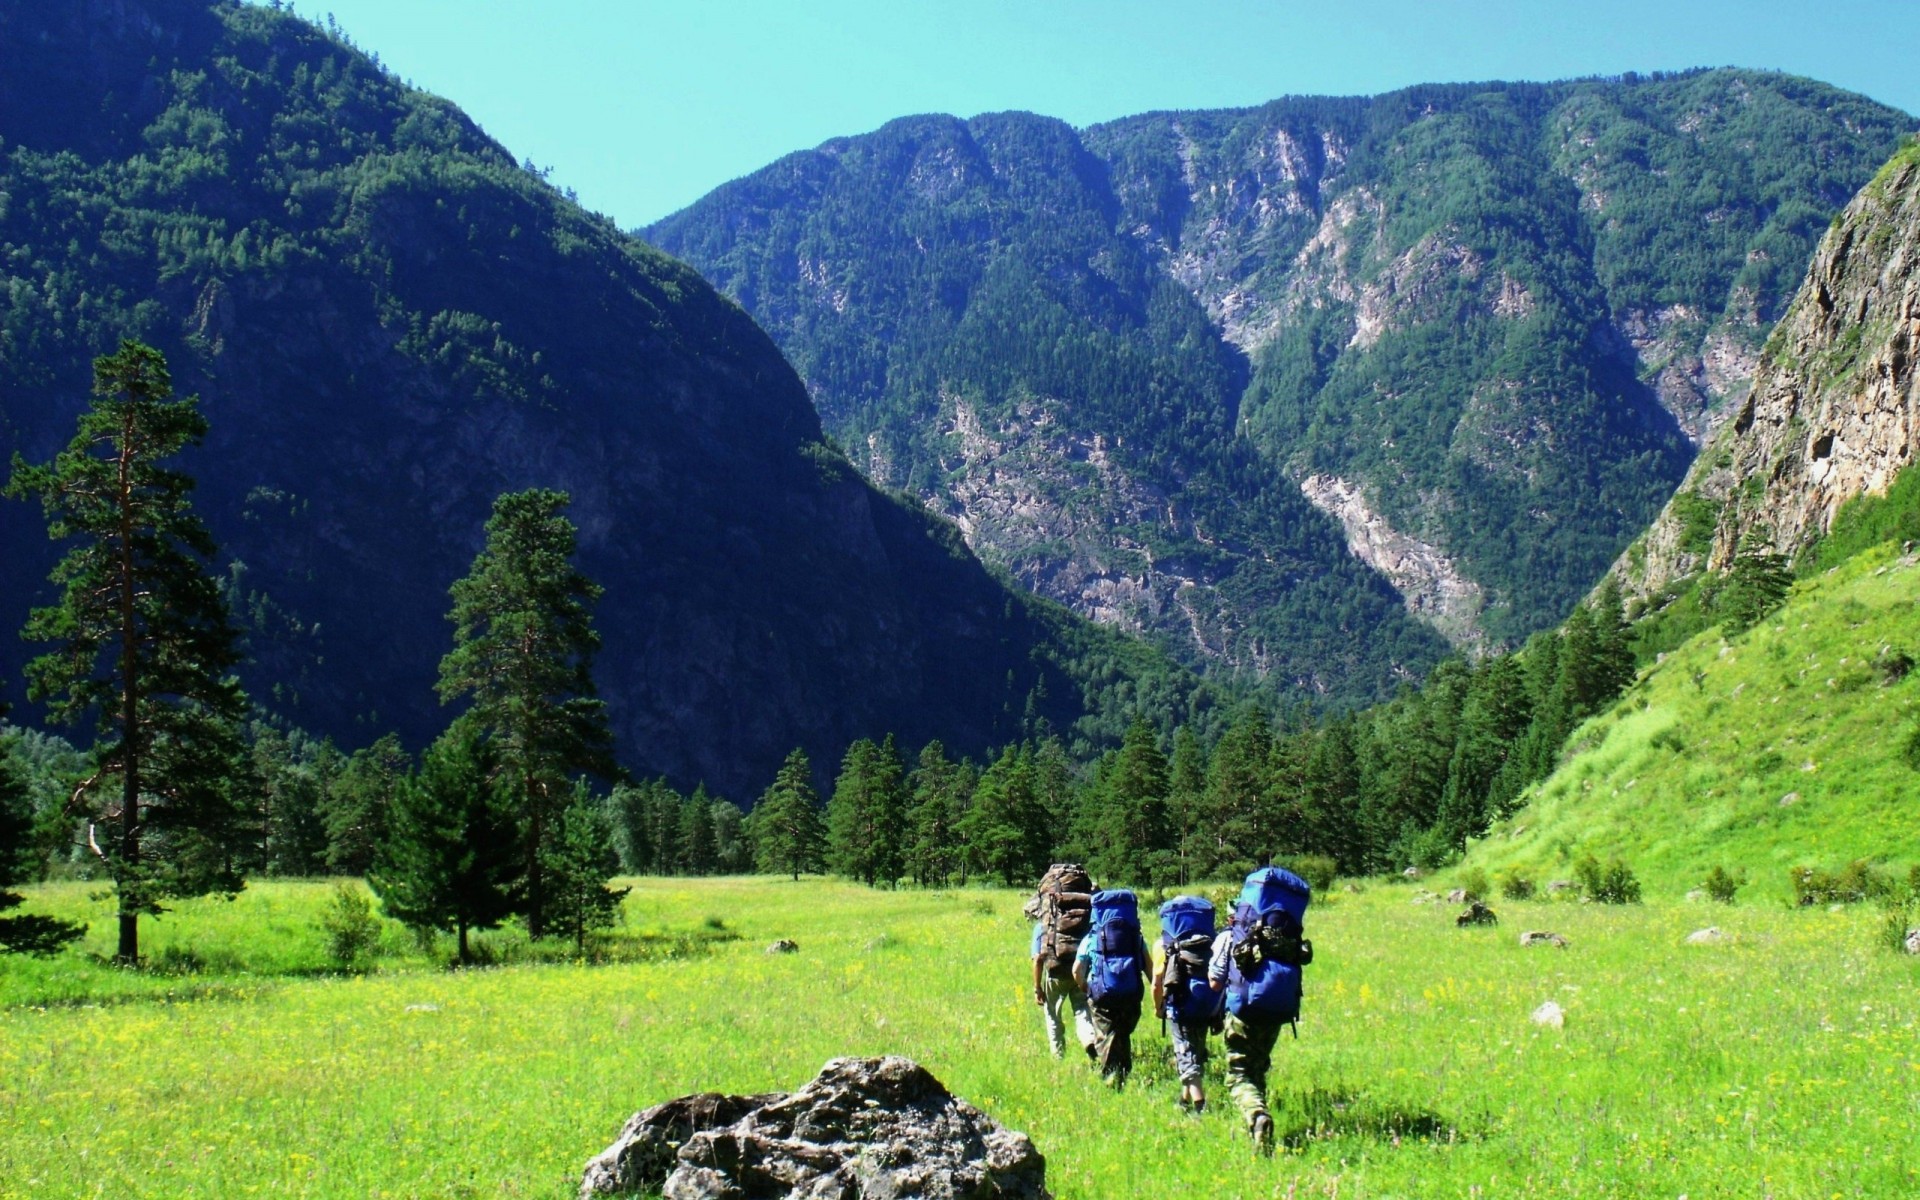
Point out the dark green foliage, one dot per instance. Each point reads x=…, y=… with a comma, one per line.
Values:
x=452, y=857
x=21, y=861
x=294, y=786
x=357, y=803
x=698, y=845
x=522, y=656
x=1723, y=885
x=1516, y=884
x=867, y=814
x=940, y=790
x=576, y=863
x=1857, y=881
x=1611, y=882
x=351, y=928
x=142, y=644
x=1319, y=870
x=1756, y=584
x=1123, y=816
x=1008, y=830
x=789, y=831
x=393, y=322
x=1699, y=518
x=1910, y=749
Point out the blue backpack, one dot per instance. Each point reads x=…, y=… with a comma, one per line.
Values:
x=1117, y=947
x=1186, y=933
x=1269, y=946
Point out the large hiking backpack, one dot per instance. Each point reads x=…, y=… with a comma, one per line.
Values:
x=1186, y=933
x=1064, y=908
x=1269, y=946
x=1117, y=947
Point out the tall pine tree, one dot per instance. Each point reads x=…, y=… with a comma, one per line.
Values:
x=451, y=858
x=789, y=833
x=523, y=656
x=142, y=641
x=866, y=818
x=577, y=861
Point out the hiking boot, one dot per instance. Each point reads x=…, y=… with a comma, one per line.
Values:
x=1262, y=1130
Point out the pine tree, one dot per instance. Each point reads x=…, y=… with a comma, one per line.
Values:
x=628, y=811
x=142, y=640
x=939, y=788
x=358, y=803
x=732, y=845
x=698, y=852
x=451, y=857
x=291, y=802
x=1186, y=798
x=1493, y=723
x=866, y=817
x=1756, y=584
x=1007, y=830
x=523, y=655
x=1135, y=839
x=20, y=862
x=577, y=862
x=1232, y=838
x=789, y=833
x=1331, y=814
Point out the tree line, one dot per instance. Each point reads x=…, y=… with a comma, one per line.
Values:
x=518, y=810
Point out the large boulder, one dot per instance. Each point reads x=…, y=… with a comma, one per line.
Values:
x=864, y=1129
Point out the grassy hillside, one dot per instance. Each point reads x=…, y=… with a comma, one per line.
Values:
x=1782, y=746
x=1417, y=1072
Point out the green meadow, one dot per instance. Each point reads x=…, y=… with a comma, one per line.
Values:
x=1783, y=1062
x=1783, y=746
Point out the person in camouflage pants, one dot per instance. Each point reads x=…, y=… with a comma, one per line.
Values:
x=1249, y=1044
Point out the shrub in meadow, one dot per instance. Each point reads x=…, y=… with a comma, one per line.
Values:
x=1851, y=884
x=1317, y=869
x=1722, y=884
x=1516, y=884
x=1473, y=881
x=351, y=929
x=1611, y=882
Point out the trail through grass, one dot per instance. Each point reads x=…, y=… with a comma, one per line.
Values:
x=1784, y=1062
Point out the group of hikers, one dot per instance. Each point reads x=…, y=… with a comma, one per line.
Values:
x=1093, y=969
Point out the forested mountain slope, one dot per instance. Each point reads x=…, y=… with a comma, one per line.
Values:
x=389, y=323
x=1474, y=324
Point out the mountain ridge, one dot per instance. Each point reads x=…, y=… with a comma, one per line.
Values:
x=1272, y=273
x=389, y=322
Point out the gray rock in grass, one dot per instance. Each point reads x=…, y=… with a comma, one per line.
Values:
x=1710, y=936
x=1912, y=944
x=1542, y=937
x=864, y=1129
x=1559, y=885
x=1550, y=1015
x=1457, y=896
x=784, y=946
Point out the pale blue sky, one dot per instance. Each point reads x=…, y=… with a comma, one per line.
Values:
x=642, y=106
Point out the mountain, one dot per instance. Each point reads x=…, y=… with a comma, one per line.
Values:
x=389, y=323
x=1832, y=415
x=1178, y=371
x=1793, y=743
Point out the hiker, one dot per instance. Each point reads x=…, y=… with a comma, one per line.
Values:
x=1112, y=968
x=1061, y=911
x=1183, y=996
x=1256, y=962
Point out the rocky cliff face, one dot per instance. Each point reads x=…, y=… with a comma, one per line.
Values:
x=389, y=323
x=1833, y=412
x=1501, y=315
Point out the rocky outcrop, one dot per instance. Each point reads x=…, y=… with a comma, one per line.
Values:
x=863, y=1129
x=1833, y=411
x=1433, y=588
